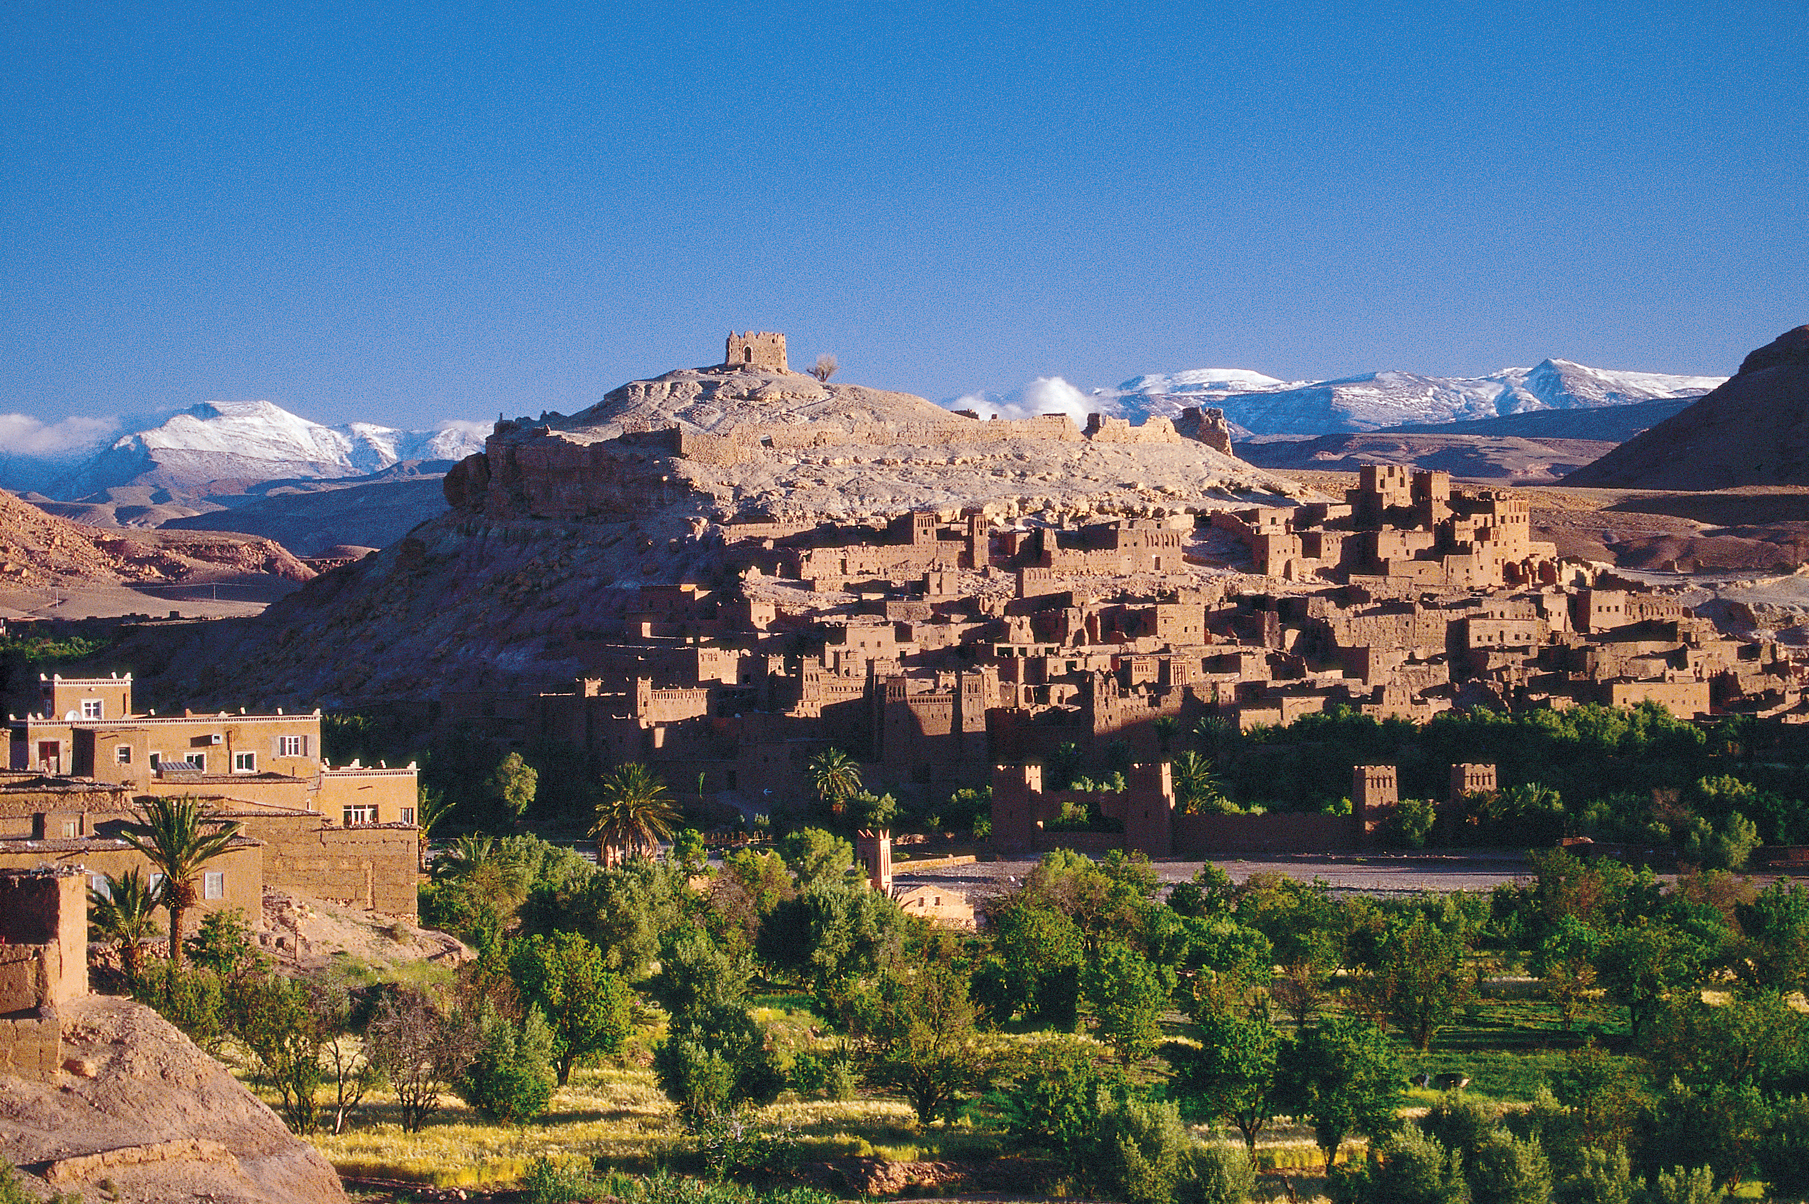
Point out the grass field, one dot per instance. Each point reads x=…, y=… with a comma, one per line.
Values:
x=615, y=1118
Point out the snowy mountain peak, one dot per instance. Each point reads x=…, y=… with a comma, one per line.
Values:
x=241, y=441
x=1256, y=404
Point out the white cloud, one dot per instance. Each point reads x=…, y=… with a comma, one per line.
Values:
x=1044, y=395
x=477, y=430
x=25, y=437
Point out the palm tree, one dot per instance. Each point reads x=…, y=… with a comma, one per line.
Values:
x=124, y=914
x=482, y=865
x=175, y=836
x=634, y=812
x=430, y=808
x=1197, y=788
x=1165, y=727
x=836, y=777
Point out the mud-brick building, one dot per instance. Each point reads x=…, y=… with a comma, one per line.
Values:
x=43, y=966
x=85, y=761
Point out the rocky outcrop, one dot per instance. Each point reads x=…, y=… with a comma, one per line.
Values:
x=728, y=444
x=139, y=1108
x=1753, y=430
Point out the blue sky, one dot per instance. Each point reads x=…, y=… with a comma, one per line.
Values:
x=408, y=213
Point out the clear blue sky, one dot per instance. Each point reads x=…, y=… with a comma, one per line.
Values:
x=407, y=213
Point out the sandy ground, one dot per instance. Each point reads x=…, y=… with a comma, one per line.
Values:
x=192, y=601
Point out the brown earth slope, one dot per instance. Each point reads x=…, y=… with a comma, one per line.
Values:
x=1753, y=430
x=141, y=1116
x=39, y=549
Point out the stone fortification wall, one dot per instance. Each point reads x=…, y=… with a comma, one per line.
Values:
x=1201, y=835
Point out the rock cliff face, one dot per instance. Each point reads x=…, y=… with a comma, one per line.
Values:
x=1753, y=430
x=138, y=1105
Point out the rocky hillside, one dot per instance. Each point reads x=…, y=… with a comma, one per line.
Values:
x=1753, y=430
x=39, y=549
x=141, y=1115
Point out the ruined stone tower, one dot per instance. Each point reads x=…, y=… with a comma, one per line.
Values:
x=756, y=349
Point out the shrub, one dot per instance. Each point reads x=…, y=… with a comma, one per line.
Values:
x=1217, y=1174
x=1604, y=1177
x=1503, y=1169
x=1680, y=1186
x=1783, y=1153
x=511, y=1079
x=1141, y=1151
x=192, y=1000
x=1408, y=1168
x=1460, y=1123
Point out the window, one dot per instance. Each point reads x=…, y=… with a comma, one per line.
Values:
x=122, y=755
x=156, y=760
x=213, y=885
x=291, y=746
x=354, y=816
x=71, y=828
x=156, y=880
x=244, y=762
x=199, y=761
x=99, y=885
x=407, y=814
x=91, y=708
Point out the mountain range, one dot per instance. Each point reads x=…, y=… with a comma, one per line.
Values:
x=223, y=447
x=1257, y=405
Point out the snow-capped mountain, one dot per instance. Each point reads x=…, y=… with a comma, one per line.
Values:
x=1260, y=405
x=238, y=442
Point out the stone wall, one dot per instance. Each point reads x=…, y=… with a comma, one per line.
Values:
x=1202, y=835
x=374, y=867
x=756, y=349
x=47, y=910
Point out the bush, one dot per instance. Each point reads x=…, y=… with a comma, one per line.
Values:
x=511, y=1079
x=1783, y=1153
x=192, y=1000
x=1460, y=1123
x=829, y=1075
x=1680, y=1186
x=1407, y=1168
x=1605, y=1177
x=1142, y=1151
x=1217, y=1174
x=1503, y=1169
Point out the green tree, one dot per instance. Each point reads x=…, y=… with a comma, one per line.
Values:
x=275, y=1019
x=1684, y=1186
x=814, y=855
x=1231, y=1075
x=1034, y=968
x=1141, y=1151
x=1408, y=1167
x=689, y=851
x=1197, y=788
x=1774, y=955
x=123, y=913
x=1417, y=977
x=179, y=839
x=1564, y=963
x=634, y=813
x=919, y=1037
x=1054, y=1100
x=1782, y=1154
x=1128, y=995
x=1342, y=1075
x=587, y=1009
x=1642, y=965
x=831, y=936
x=512, y=785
